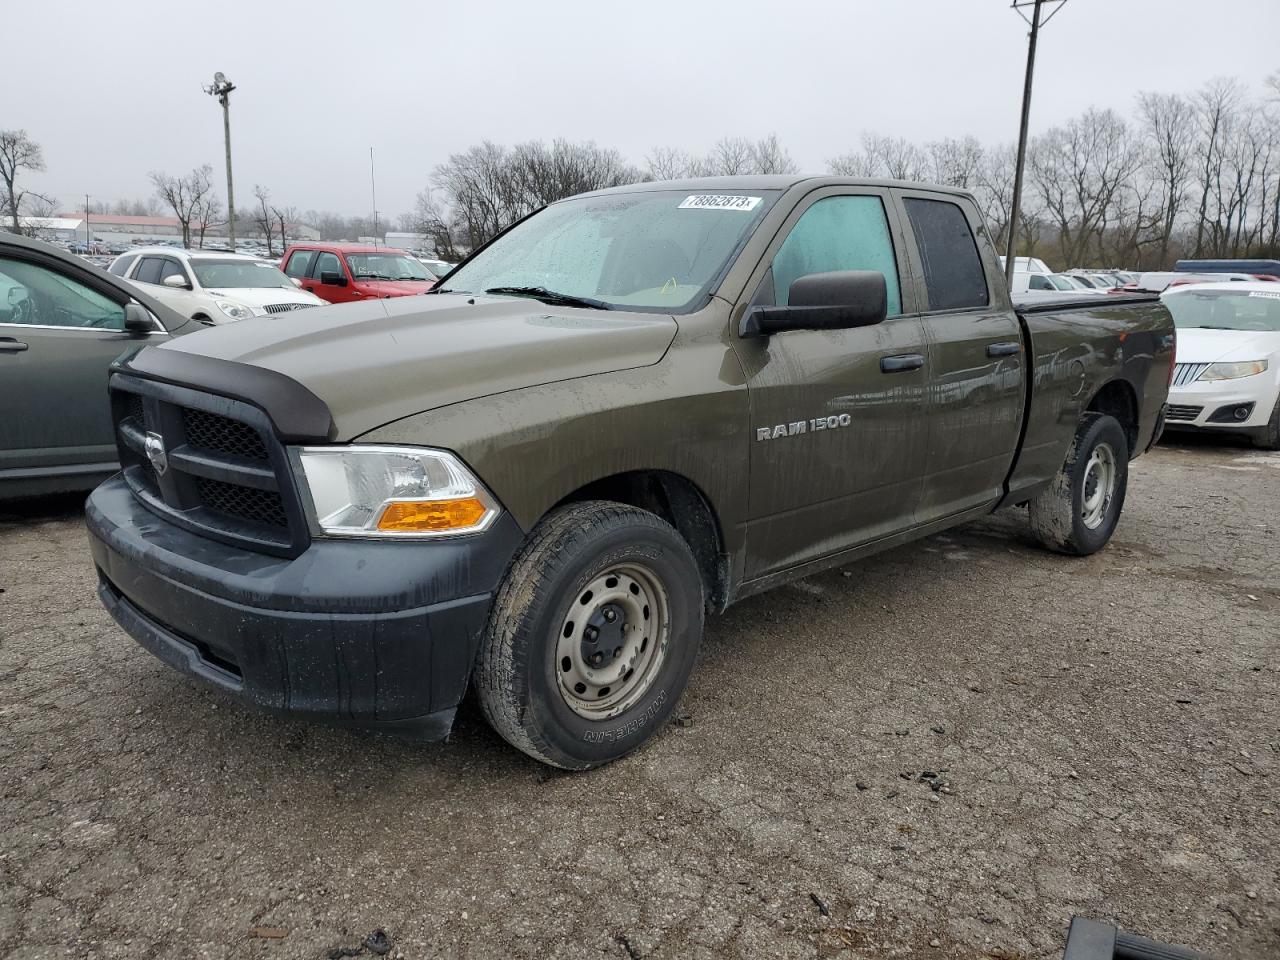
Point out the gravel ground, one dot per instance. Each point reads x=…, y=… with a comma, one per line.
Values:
x=1103, y=734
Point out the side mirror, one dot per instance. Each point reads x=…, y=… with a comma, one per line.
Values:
x=333, y=279
x=176, y=280
x=138, y=320
x=823, y=301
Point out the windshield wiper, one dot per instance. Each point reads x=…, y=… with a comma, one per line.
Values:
x=550, y=296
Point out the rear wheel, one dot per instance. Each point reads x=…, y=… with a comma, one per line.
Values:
x=1079, y=510
x=1268, y=437
x=592, y=637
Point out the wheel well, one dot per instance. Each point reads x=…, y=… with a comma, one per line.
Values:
x=678, y=501
x=1118, y=400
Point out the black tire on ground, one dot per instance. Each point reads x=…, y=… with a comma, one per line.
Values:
x=516, y=678
x=1058, y=513
x=1268, y=437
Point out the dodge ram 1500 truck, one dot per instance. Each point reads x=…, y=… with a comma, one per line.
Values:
x=630, y=409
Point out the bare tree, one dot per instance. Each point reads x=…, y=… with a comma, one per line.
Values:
x=1077, y=171
x=284, y=217
x=489, y=186
x=1168, y=121
x=206, y=213
x=184, y=195
x=855, y=163
x=769, y=156
x=18, y=154
x=954, y=162
x=731, y=156
x=671, y=163
x=262, y=216
x=1215, y=106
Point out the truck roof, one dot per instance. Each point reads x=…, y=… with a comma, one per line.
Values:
x=774, y=182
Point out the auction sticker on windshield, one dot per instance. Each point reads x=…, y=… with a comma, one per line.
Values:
x=718, y=201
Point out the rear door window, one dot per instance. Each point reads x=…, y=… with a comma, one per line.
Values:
x=299, y=264
x=120, y=265
x=953, y=274
x=838, y=233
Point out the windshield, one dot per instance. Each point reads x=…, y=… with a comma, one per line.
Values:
x=227, y=274
x=386, y=266
x=1062, y=283
x=1225, y=309
x=660, y=250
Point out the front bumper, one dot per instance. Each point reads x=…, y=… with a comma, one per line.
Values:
x=1209, y=405
x=370, y=633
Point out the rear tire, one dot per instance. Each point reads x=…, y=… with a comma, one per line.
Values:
x=592, y=636
x=1079, y=510
x=1268, y=437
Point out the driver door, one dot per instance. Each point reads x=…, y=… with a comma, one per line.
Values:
x=54, y=354
x=838, y=433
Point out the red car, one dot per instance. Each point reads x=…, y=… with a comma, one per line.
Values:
x=343, y=272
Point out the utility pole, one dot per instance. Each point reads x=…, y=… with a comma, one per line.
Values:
x=221, y=88
x=1036, y=23
x=373, y=193
x=88, y=237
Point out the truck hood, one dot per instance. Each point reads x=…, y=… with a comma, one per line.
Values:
x=1196, y=345
x=376, y=361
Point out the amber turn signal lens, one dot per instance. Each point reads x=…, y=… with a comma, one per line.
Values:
x=413, y=516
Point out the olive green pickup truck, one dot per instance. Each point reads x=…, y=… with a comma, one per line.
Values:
x=632, y=408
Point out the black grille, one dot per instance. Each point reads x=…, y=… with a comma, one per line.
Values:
x=286, y=307
x=219, y=434
x=1178, y=412
x=227, y=475
x=133, y=409
x=244, y=503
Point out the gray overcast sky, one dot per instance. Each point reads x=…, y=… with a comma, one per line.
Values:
x=112, y=90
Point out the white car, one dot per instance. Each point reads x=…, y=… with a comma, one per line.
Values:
x=212, y=287
x=1227, y=373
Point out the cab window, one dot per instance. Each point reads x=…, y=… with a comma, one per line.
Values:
x=953, y=275
x=299, y=264
x=35, y=295
x=838, y=233
x=327, y=263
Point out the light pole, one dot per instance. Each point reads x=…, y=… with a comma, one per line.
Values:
x=221, y=88
x=1036, y=23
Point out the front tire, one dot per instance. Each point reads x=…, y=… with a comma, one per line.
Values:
x=1078, y=512
x=1268, y=437
x=592, y=636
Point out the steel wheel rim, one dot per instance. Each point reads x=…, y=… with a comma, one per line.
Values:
x=602, y=676
x=1099, y=486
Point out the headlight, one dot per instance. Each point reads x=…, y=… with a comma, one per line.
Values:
x=1233, y=371
x=236, y=311
x=372, y=491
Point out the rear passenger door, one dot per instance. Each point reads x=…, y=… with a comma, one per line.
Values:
x=975, y=397
x=837, y=416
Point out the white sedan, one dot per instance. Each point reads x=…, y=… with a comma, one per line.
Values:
x=1227, y=374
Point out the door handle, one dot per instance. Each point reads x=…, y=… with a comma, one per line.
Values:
x=9, y=345
x=1007, y=349
x=905, y=361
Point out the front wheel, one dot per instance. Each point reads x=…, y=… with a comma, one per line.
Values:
x=1268, y=437
x=1079, y=510
x=592, y=636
